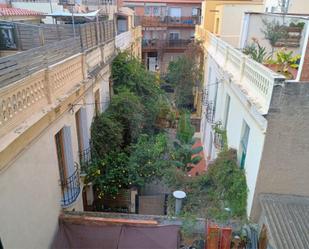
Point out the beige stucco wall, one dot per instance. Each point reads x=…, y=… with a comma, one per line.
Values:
x=230, y=18
x=30, y=194
x=209, y=11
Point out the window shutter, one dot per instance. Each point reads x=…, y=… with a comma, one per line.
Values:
x=68, y=150
x=84, y=127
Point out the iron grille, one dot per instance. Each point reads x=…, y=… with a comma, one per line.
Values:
x=70, y=187
x=85, y=159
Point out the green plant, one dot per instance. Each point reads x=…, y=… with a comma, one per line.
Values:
x=285, y=60
x=184, y=156
x=222, y=134
x=273, y=32
x=184, y=74
x=297, y=24
x=126, y=108
x=110, y=174
x=148, y=158
x=106, y=135
x=256, y=51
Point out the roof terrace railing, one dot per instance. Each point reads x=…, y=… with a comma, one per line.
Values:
x=253, y=78
x=28, y=36
x=21, y=65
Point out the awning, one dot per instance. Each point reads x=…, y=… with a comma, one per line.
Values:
x=90, y=15
x=98, y=235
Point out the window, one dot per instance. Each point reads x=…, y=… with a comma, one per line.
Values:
x=174, y=35
x=243, y=144
x=215, y=99
x=227, y=110
x=156, y=11
x=147, y=11
x=64, y=154
x=82, y=130
x=7, y=39
x=195, y=11
x=175, y=12
x=97, y=102
x=217, y=25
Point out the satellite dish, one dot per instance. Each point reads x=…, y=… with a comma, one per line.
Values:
x=179, y=194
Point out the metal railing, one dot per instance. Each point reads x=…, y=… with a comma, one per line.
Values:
x=84, y=159
x=26, y=36
x=165, y=44
x=70, y=187
x=159, y=21
x=257, y=80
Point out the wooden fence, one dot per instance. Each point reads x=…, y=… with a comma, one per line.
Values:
x=28, y=36
x=20, y=65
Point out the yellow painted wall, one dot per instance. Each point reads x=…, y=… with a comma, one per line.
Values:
x=209, y=11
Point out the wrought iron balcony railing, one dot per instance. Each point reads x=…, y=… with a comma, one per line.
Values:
x=70, y=188
x=160, y=21
x=85, y=159
x=165, y=44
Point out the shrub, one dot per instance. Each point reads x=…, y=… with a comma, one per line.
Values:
x=106, y=135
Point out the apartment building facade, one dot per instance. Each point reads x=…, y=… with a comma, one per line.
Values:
x=168, y=28
x=254, y=106
x=49, y=96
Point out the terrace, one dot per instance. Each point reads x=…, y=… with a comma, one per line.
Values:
x=169, y=21
x=275, y=40
x=254, y=80
x=172, y=45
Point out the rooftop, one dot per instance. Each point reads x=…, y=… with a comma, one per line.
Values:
x=7, y=11
x=287, y=218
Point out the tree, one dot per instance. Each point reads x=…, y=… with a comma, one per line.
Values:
x=110, y=174
x=148, y=158
x=106, y=135
x=184, y=156
x=184, y=74
x=126, y=108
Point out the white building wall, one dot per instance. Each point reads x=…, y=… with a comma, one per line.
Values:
x=239, y=111
x=30, y=192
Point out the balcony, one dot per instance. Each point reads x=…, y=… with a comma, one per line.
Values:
x=254, y=80
x=85, y=159
x=169, y=21
x=171, y=45
x=70, y=188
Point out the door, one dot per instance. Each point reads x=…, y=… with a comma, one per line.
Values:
x=152, y=63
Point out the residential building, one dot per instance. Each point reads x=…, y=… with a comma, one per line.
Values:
x=20, y=15
x=49, y=95
x=224, y=18
x=287, y=6
x=168, y=28
x=263, y=113
x=129, y=36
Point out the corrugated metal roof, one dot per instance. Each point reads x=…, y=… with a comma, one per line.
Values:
x=18, y=12
x=287, y=219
